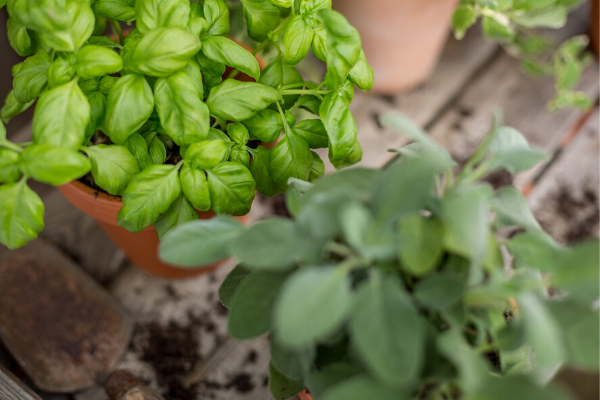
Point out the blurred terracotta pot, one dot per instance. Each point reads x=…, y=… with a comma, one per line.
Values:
x=141, y=248
x=402, y=39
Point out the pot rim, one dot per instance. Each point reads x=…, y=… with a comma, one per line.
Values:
x=95, y=194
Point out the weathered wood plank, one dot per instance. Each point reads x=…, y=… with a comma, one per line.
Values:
x=11, y=388
x=565, y=200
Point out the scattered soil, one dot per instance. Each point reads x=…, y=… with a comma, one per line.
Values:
x=172, y=351
x=499, y=179
x=252, y=357
x=221, y=309
x=582, y=214
x=241, y=383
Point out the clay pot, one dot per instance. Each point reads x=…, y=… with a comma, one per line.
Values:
x=402, y=39
x=141, y=248
x=595, y=26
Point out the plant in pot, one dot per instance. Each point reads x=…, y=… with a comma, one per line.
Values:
x=157, y=131
x=408, y=283
x=512, y=24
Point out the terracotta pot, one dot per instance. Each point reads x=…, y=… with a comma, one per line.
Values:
x=595, y=26
x=305, y=396
x=402, y=39
x=141, y=248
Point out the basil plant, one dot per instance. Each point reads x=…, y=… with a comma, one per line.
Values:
x=411, y=282
x=155, y=117
x=512, y=23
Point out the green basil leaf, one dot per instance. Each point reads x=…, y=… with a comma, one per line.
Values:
x=121, y=10
x=351, y=159
x=240, y=155
x=195, y=187
x=236, y=101
x=21, y=214
x=261, y=16
x=89, y=85
x=207, y=154
x=12, y=107
x=157, y=150
x=138, y=147
x=201, y=242
x=192, y=70
x=510, y=151
x=106, y=83
x=19, y=38
x=346, y=91
x=238, y=133
x=216, y=13
x=265, y=125
x=515, y=388
x=183, y=115
x=250, y=313
x=232, y=283
x=231, y=189
x=197, y=26
x=180, y=212
x=30, y=81
x=9, y=166
x=153, y=14
x=113, y=167
x=343, y=47
x=340, y=126
x=309, y=103
x=291, y=158
x=210, y=67
x=317, y=168
x=104, y=41
x=319, y=43
x=148, y=195
x=387, y=332
x=292, y=364
x=362, y=74
x=260, y=171
x=129, y=105
x=286, y=245
x=53, y=165
x=420, y=244
x=282, y=387
x=282, y=3
x=296, y=40
x=226, y=51
x=299, y=323
x=312, y=6
x=276, y=74
x=42, y=15
x=100, y=24
x=161, y=52
x=61, y=71
x=97, y=110
x=95, y=61
x=77, y=33
x=313, y=131
x=61, y=116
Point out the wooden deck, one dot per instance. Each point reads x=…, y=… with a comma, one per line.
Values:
x=181, y=342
